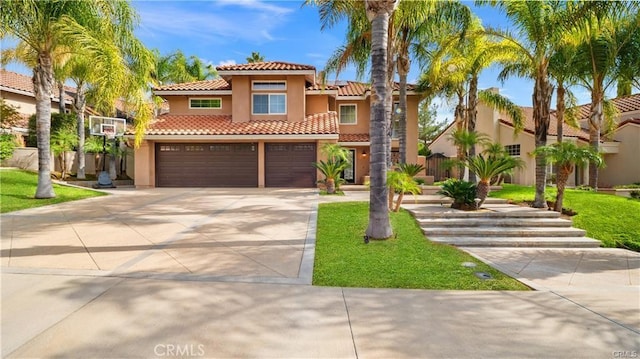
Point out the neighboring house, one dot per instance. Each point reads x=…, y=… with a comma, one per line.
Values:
x=259, y=125
x=620, y=151
x=17, y=90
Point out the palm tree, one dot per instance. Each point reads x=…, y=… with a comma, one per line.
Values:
x=255, y=57
x=540, y=26
x=63, y=141
x=331, y=170
x=566, y=155
x=400, y=182
x=466, y=140
x=601, y=36
x=46, y=27
x=378, y=13
x=177, y=68
x=488, y=168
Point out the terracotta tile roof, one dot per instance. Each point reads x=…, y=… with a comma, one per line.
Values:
x=316, y=124
x=23, y=83
x=529, y=125
x=206, y=85
x=352, y=88
x=623, y=104
x=635, y=121
x=266, y=66
x=353, y=137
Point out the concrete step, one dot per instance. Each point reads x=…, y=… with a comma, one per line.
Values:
x=554, y=242
x=444, y=213
x=494, y=222
x=431, y=199
x=503, y=232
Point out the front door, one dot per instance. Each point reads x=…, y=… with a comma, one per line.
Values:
x=349, y=173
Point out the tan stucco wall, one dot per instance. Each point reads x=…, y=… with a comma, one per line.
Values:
x=443, y=145
x=242, y=98
x=624, y=166
x=317, y=104
x=362, y=116
x=412, y=129
x=145, y=175
x=25, y=104
x=179, y=105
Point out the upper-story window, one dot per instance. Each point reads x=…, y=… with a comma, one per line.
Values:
x=512, y=150
x=205, y=103
x=348, y=114
x=269, y=85
x=269, y=104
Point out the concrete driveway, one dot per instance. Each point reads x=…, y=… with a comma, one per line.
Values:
x=225, y=273
x=239, y=234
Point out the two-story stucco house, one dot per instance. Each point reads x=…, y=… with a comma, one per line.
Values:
x=258, y=125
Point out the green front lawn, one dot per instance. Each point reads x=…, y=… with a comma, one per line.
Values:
x=611, y=219
x=17, y=189
x=407, y=261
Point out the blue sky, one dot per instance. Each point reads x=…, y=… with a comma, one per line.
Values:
x=227, y=31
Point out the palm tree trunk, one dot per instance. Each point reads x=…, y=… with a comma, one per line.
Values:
x=541, y=107
x=460, y=124
x=42, y=84
x=399, y=201
x=79, y=106
x=560, y=112
x=561, y=181
x=391, y=196
x=61, y=107
x=378, y=13
x=471, y=118
x=482, y=191
x=595, y=123
x=403, y=66
x=331, y=186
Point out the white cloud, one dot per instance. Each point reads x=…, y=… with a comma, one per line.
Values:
x=227, y=62
x=216, y=22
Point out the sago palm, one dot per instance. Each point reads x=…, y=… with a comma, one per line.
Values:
x=331, y=170
x=566, y=155
x=486, y=168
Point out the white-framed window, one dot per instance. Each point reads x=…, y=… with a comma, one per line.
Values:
x=269, y=104
x=205, y=103
x=269, y=85
x=512, y=150
x=395, y=120
x=348, y=114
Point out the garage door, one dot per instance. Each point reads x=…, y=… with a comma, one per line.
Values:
x=290, y=165
x=206, y=165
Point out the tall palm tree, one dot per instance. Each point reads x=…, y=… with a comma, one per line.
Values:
x=566, y=155
x=76, y=26
x=539, y=26
x=378, y=13
x=411, y=27
x=176, y=67
x=601, y=36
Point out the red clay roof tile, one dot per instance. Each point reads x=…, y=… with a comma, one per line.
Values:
x=19, y=82
x=316, y=124
x=353, y=137
x=622, y=104
x=266, y=66
x=529, y=125
x=206, y=85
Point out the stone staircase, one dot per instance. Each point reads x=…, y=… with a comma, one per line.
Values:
x=499, y=225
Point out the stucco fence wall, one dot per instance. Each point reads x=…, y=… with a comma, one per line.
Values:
x=27, y=158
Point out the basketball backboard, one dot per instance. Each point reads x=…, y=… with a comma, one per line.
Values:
x=107, y=126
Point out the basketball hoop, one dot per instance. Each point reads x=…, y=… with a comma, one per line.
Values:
x=109, y=127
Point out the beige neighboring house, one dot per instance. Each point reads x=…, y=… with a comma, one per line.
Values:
x=621, y=150
x=17, y=90
x=259, y=125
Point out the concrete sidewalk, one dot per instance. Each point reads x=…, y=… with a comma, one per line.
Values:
x=225, y=273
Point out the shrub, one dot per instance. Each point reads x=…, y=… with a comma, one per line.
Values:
x=463, y=193
x=412, y=169
x=634, y=185
x=7, y=145
x=585, y=187
x=635, y=194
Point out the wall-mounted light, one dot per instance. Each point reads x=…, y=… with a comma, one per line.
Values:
x=364, y=153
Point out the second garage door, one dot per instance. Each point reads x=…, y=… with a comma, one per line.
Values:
x=206, y=165
x=290, y=165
